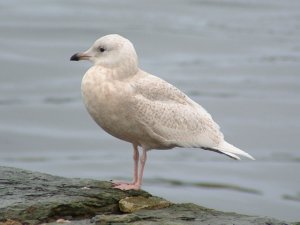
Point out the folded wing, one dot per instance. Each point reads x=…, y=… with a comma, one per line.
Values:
x=172, y=115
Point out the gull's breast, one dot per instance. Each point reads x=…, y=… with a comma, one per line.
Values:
x=108, y=102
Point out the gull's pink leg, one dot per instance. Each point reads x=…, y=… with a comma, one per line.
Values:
x=143, y=160
x=136, y=185
x=136, y=165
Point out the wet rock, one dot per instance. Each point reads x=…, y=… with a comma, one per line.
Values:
x=36, y=198
x=113, y=219
x=191, y=214
x=10, y=222
x=133, y=204
x=33, y=197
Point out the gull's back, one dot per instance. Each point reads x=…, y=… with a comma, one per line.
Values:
x=170, y=116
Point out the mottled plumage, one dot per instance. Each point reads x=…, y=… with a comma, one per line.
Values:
x=143, y=109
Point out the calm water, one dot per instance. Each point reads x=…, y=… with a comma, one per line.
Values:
x=239, y=59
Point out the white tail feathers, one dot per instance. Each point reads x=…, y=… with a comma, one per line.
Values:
x=232, y=151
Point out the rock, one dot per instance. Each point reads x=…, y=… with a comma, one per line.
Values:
x=10, y=222
x=36, y=198
x=133, y=204
x=111, y=219
x=180, y=214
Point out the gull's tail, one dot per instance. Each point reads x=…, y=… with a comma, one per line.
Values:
x=229, y=150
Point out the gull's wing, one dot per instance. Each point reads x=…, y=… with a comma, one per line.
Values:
x=169, y=114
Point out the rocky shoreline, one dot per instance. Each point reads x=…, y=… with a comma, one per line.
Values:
x=35, y=198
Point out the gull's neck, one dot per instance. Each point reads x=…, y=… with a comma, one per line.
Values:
x=116, y=73
x=120, y=71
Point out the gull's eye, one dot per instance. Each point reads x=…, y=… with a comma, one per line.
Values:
x=101, y=49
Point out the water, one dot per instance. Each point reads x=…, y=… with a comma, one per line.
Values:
x=239, y=59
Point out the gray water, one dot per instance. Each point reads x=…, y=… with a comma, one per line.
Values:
x=239, y=59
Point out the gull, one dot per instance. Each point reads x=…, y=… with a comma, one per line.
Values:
x=140, y=108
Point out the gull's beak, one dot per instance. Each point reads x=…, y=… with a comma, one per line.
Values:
x=80, y=56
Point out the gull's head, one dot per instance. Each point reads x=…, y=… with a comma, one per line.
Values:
x=110, y=51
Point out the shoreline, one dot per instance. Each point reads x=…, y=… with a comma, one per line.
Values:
x=37, y=198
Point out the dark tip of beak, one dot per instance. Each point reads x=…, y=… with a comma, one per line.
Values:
x=75, y=57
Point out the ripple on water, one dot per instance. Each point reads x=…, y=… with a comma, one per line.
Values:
x=207, y=185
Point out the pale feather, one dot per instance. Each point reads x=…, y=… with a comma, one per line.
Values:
x=171, y=115
x=143, y=109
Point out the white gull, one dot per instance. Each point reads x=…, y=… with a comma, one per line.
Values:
x=143, y=109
